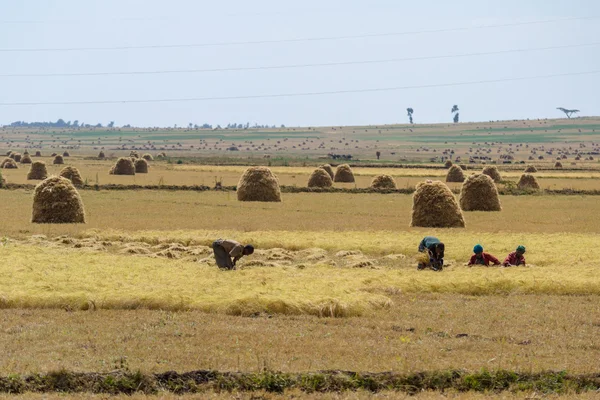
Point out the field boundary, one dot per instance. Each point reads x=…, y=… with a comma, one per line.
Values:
x=303, y=189
x=127, y=382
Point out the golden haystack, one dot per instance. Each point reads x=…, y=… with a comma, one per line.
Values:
x=134, y=154
x=320, y=178
x=9, y=163
x=56, y=201
x=448, y=164
x=53, y=155
x=72, y=174
x=479, y=193
x=343, y=173
x=528, y=181
x=329, y=170
x=26, y=152
x=383, y=182
x=26, y=159
x=124, y=166
x=258, y=184
x=558, y=164
x=66, y=154
x=493, y=173
x=101, y=155
x=8, y=153
x=141, y=166
x=58, y=160
x=37, y=171
x=16, y=156
x=455, y=174
x=434, y=206
x=38, y=154
x=530, y=169
x=148, y=157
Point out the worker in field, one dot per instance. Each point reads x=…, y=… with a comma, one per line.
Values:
x=228, y=252
x=481, y=258
x=516, y=258
x=432, y=250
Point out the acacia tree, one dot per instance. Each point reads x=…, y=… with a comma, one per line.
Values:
x=567, y=111
x=455, y=112
x=410, y=112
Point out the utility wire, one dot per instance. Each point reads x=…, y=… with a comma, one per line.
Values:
x=290, y=66
x=296, y=40
x=266, y=96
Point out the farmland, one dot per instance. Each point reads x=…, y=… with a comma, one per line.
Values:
x=332, y=285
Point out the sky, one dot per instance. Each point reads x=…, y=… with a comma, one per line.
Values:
x=438, y=32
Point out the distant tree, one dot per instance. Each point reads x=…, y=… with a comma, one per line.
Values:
x=111, y=124
x=190, y=125
x=76, y=123
x=410, y=112
x=455, y=112
x=98, y=125
x=378, y=154
x=568, y=112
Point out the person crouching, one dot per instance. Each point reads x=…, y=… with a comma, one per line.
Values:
x=481, y=258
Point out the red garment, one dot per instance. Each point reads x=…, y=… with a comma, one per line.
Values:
x=514, y=259
x=487, y=259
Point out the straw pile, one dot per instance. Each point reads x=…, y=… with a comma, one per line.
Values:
x=72, y=174
x=53, y=155
x=37, y=171
x=141, y=166
x=101, y=155
x=434, y=206
x=558, y=164
x=134, y=154
x=448, y=164
x=329, y=170
x=343, y=173
x=479, y=193
x=38, y=154
x=383, y=182
x=58, y=160
x=320, y=179
x=56, y=201
x=530, y=169
x=9, y=163
x=455, y=174
x=493, y=173
x=148, y=157
x=124, y=166
x=463, y=167
x=8, y=153
x=528, y=181
x=16, y=157
x=66, y=154
x=258, y=184
x=26, y=159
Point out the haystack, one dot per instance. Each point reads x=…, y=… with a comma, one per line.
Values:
x=8, y=153
x=320, y=179
x=141, y=166
x=56, y=201
x=493, y=173
x=38, y=154
x=148, y=157
x=101, y=155
x=479, y=193
x=434, y=206
x=66, y=154
x=383, y=182
x=258, y=184
x=53, y=155
x=26, y=159
x=463, y=167
x=58, y=160
x=9, y=163
x=558, y=164
x=37, y=171
x=124, y=166
x=329, y=170
x=72, y=174
x=343, y=173
x=448, y=164
x=16, y=156
x=530, y=169
x=26, y=152
x=455, y=174
x=134, y=154
x=528, y=181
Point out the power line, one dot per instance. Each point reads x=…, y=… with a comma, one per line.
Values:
x=304, y=94
x=296, y=40
x=290, y=66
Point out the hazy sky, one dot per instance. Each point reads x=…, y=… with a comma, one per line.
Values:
x=42, y=24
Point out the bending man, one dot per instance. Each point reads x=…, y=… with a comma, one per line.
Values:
x=228, y=252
